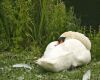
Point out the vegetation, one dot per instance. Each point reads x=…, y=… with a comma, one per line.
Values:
x=28, y=21
x=27, y=26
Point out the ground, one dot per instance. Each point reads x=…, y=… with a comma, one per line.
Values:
x=7, y=72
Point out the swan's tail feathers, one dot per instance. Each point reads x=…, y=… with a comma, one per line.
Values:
x=46, y=64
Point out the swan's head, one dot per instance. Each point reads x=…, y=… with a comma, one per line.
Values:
x=61, y=40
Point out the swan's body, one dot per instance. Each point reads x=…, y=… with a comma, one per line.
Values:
x=69, y=53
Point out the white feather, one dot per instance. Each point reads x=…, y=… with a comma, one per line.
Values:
x=22, y=65
x=87, y=75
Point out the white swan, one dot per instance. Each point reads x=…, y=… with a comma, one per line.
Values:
x=71, y=52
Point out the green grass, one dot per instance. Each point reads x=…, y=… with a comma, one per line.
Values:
x=7, y=72
x=27, y=23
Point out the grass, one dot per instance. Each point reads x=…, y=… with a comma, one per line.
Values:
x=7, y=72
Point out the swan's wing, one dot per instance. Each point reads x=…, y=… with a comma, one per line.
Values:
x=51, y=45
x=49, y=48
x=55, y=52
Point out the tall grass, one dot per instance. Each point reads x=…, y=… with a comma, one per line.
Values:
x=16, y=23
x=96, y=46
x=25, y=22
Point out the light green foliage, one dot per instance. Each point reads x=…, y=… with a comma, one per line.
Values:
x=26, y=21
x=16, y=22
x=96, y=46
x=55, y=20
